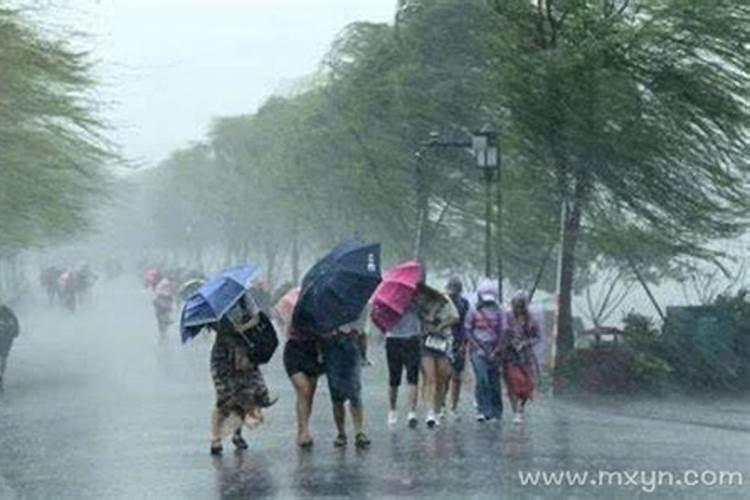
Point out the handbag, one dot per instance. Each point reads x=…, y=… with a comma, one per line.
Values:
x=437, y=343
x=263, y=341
x=517, y=380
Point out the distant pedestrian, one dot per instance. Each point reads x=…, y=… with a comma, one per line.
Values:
x=522, y=333
x=9, y=330
x=454, y=288
x=484, y=332
x=342, y=357
x=403, y=346
x=241, y=392
x=164, y=306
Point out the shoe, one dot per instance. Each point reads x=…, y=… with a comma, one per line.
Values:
x=239, y=442
x=268, y=401
x=481, y=418
x=455, y=415
x=412, y=420
x=392, y=418
x=306, y=445
x=431, y=421
x=361, y=441
x=340, y=441
x=442, y=415
x=216, y=449
x=518, y=418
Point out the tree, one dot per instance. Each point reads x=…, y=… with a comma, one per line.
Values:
x=52, y=147
x=634, y=112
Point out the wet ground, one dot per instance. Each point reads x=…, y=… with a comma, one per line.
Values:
x=94, y=409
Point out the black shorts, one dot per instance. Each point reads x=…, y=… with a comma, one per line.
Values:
x=403, y=353
x=302, y=356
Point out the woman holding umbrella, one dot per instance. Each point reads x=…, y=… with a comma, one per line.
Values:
x=240, y=388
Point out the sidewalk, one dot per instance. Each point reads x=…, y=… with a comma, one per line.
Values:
x=721, y=412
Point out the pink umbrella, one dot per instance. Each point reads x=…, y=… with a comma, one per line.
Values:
x=395, y=292
x=285, y=306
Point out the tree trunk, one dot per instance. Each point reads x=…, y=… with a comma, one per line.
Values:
x=570, y=224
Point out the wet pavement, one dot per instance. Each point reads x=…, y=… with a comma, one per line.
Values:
x=94, y=409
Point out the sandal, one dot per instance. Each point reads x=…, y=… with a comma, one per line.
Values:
x=340, y=441
x=306, y=444
x=239, y=442
x=361, y=441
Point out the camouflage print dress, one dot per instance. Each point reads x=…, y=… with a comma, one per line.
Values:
x=238, y=382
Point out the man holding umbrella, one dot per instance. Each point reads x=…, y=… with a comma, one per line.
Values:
x=332, y=305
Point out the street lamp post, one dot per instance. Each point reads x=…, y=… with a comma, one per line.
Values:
x=485, y=146
x=484, y=143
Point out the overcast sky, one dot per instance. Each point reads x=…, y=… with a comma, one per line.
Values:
x=170, y=66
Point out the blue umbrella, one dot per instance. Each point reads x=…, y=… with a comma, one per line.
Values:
x=212, y=300
x=337, y=288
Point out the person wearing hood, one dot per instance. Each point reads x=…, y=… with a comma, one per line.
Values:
x=484, y=332
x=9, y=330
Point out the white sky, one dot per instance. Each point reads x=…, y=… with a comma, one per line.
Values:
x=170, y=66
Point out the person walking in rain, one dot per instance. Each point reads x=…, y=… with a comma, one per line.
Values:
x=438, y=316
x=454, y=288
x=342, y=357
x=403, y=346
x=303, y=365
x=241, y=392
x=484, y=332
x=522, y=333
x=9, y=330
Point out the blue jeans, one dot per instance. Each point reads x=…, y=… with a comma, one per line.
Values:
x=488, y=390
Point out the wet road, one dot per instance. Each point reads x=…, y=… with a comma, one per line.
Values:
x=94, y=409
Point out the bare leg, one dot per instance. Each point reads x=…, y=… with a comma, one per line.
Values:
x=339, y=418
x=429, y=391
x=305, y=387
x=413, y=397
x=455, y=382
x=358, y=418
x=217, y=419
x=443, y=374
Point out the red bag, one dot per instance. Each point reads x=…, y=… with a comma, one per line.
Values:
x=517, y=381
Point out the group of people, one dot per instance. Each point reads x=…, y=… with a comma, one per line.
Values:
x=433, y=340
x=68, y=286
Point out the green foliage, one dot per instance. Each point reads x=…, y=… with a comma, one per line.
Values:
x=51, y=145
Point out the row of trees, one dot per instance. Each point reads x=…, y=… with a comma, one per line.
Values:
x=624, y=136
x=52, y=147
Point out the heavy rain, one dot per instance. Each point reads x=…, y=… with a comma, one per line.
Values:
x=374, y=249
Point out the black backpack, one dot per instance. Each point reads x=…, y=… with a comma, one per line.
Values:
x=263, y=341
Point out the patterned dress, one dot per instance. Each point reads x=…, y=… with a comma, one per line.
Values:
x=239, y=383
x=521, y=335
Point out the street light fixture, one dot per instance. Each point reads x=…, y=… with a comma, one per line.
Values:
x=484, y=144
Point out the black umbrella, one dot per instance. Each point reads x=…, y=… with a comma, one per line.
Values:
x=337, y=288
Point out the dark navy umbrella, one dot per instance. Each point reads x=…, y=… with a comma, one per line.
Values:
x=212, y=300
x=337, y=288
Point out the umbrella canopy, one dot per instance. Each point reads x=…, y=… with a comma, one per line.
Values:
x=214, y=298
x=395, y=293
x=285, y=306
x=337, y=288
x=190, y=288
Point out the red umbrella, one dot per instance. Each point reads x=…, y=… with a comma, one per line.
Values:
x=395, y=292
